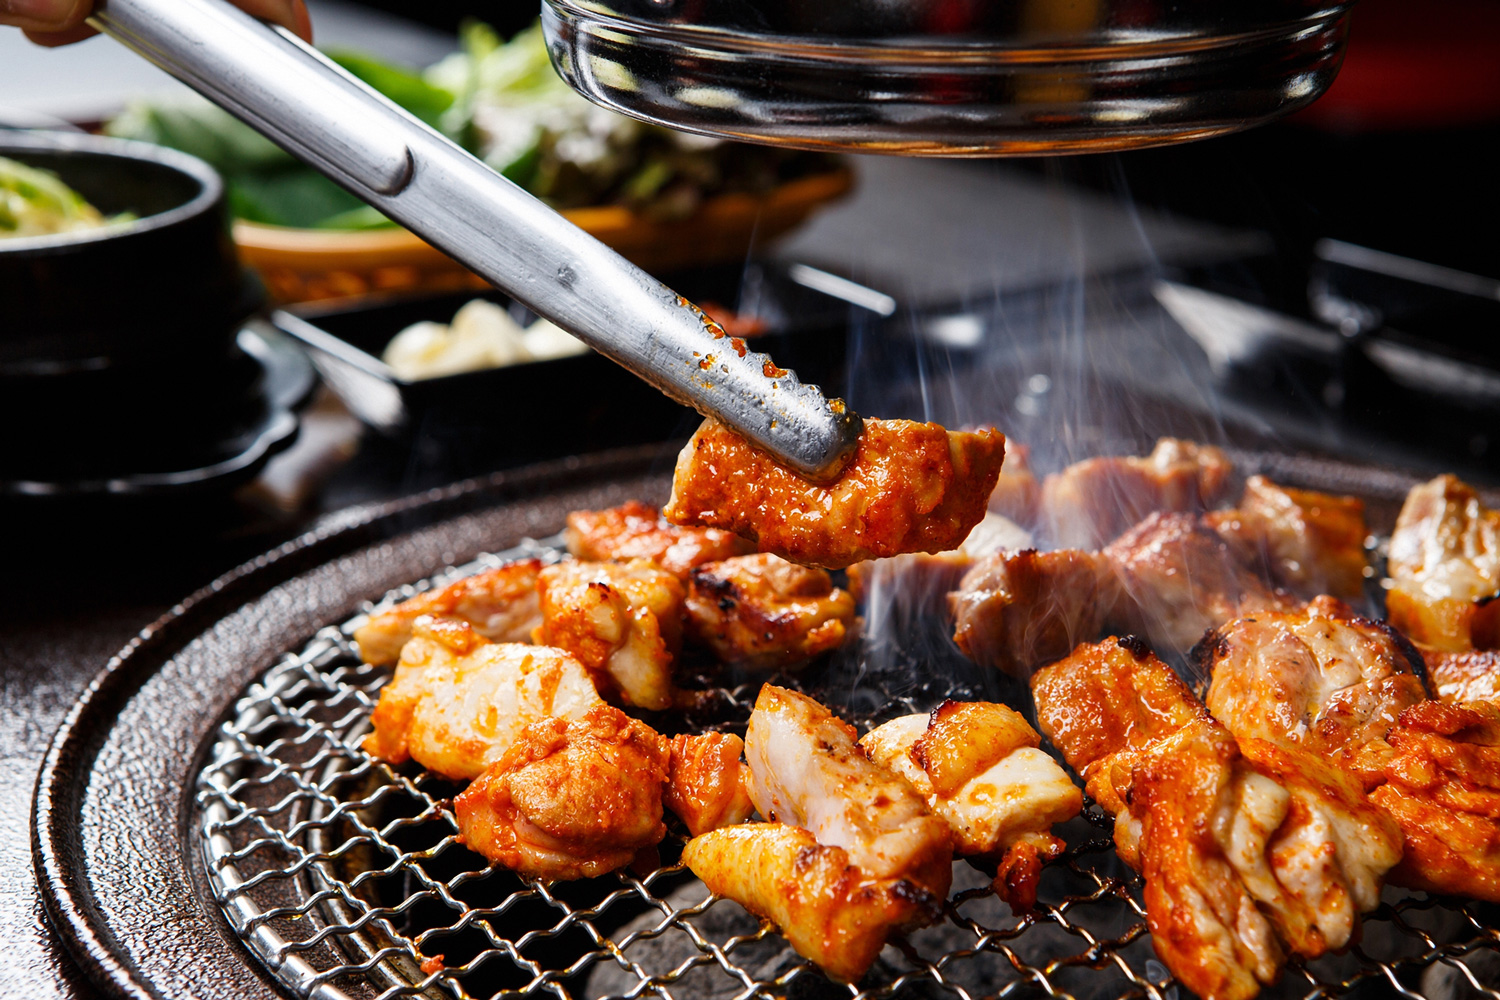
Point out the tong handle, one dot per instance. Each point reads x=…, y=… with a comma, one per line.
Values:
x=305, y=103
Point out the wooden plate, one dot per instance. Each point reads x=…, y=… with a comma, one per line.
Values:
x=303, y=265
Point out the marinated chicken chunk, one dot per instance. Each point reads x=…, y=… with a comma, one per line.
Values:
x=708, y=786
x=763, y=612
x=1092, y=501
x=979, y=767
x=1179, y=579
x=1308, y=542
x=1445, y=568
x=501, y=604
x=1473, y=675
x=458, y=702
x=1018, y=610
x=1443, y=788
x=623, y=621
x=829, y=909
x=1320, y=678
x=569, y=798
x=807, y=770
x=1017, y=495
x=635, y=531
x=911, y=487
x=1245, y=846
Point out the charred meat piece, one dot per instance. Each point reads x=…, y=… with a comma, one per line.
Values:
x=1443, y=788
x=570, y=798
x=501, y=604
x=1308, y=542
x=1445, y=568
x=979, y=767
x=1017, y=610
x=1320, y=678
x=621, y=620
x=807, y=770
x=708, y=786
x=1244, y=846
x=1473, y=675
x=1179, y=579
x=911, y=487
x=1092, y=501
x=830, y=910
x=764, y=612
x=458, y=702
x=635, y=531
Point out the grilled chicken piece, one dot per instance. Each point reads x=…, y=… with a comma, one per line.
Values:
x=1320, y=678
x=1092, y=501
x=763, y=612
x=980, y=769
x=621, y=620
x=1308, y=542
x=1469, y=676
x=635, y=531
x=1179, y=579
x=911, y=487
x=1444, y=790
x=500, y=603
x=807, y=770
x=458, y=702
x=1017, y=495
x=569, y=798
x=708, y=786
x=830, y=910
x=1018, y=610
x=1241, y=843
x=1445, y=568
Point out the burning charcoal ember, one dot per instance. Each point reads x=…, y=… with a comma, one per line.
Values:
x=1320, y=678
x=1443, y=788
x=762, y=612
x=830, y=909
x=807, y=770
x=635, y=531
x=708, y=786
x=1018, y=610
x=1445, y=568
x=500, y=603
x=980, y=769
x=1308, y=542
x=458, y=702
x=1091, y=502
x=1245, y=847
x=569, y=798
x=1179, y=579
x=1469, y=676
x=623, y=621
x=911, y=487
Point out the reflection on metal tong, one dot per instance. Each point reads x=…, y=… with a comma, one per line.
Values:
x=285, y=89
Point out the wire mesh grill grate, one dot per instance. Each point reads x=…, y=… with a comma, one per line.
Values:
x=344, y=876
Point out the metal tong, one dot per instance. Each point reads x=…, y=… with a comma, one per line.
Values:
x=288, y=91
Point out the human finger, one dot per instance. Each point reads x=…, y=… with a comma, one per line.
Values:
x=44, y=16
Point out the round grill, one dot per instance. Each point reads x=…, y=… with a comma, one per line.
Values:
x=344, y=877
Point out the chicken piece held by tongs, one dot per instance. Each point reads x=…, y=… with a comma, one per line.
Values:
x=911, y=487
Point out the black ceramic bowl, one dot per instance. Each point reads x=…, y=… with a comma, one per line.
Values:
x=118, y=339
